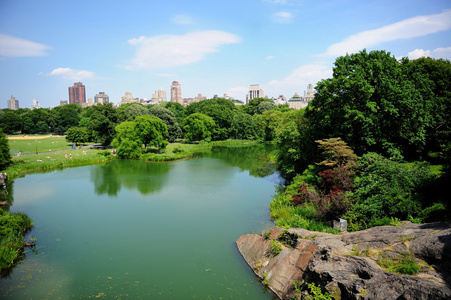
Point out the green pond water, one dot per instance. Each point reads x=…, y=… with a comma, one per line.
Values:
x=135, y=230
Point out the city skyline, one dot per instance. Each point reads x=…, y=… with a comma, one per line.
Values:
x=209, y=47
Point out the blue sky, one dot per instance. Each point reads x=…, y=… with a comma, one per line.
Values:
x=210, y=47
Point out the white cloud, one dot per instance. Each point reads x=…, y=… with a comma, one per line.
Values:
x=269, y=57
x=165, y=51
x=182, y=19
x=282, y=17
x=299, y=78
x=436, y=53
x=16, y=47
x=405, y=29
x=70, y=74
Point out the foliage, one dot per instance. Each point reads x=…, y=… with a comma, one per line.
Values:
x=36, y=121
x=265, y=106
x=12, y=229
x=11, y=122
x=406, y=264
x=199, y=127
x=373, y=105
x=5, y=155
x=129, y=111
x=276, y=247
x=295, y=144
x=177, y=109
x=386, y=188
x=244, y=126
x=337, y=153
x=168, y=117
x=220, y=110
x=65, y=116
x=77, y=135
x=251, y=107
x=288, y=238
x=152, y=131
x=104, y=119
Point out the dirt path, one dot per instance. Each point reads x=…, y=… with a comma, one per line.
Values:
x=32, y=137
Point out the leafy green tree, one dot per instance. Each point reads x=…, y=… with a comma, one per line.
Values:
x=221, y=110
x=5, y=155
x=265, y=106
x=11, y=122
x=177, y=109
x=129, y=111
x=168, y=117
x=252, y=107
x=272, y=123
x=245, y=127
x=295, y=145
x=65, y=116
x=434, y=75
x=387, y=189
x=151, y=131
x=102, y=125
x=127, y=141
x=372, y=105
x=77, y=135
x=199, y=127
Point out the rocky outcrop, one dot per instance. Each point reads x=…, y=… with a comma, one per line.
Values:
x=347, y=265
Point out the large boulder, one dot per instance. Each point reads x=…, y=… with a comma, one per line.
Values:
x=347, y=266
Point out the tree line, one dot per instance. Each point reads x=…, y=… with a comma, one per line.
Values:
x=363, y=147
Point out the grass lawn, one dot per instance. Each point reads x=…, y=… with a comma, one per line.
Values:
x=33, y=144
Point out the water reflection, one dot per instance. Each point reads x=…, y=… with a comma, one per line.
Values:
x=110, y=177
x=247, y=158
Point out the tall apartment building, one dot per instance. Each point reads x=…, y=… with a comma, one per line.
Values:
x=101, y=98
x=159, y=96
x=13, y=103
x=176, y=92
x=35, y=104
x=254, y=92
x=77, y=93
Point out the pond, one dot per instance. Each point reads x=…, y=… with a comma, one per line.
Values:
x=128, y=229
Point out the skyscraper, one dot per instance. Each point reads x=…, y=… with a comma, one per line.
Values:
x=13, y=104
x=77, y=93
x=101, y=98
x=176, y=92
x=254, y=92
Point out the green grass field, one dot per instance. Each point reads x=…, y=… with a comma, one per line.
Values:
x=30, y=145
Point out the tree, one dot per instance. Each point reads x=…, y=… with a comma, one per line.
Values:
x=151, y=131
x=265, y=106
x=372, y=104
x=129, y=111
x=245, y=127
x=252, y=107
x=65, y=116
x=77, y=135
x=177, y=109
x=199, y=127
x=127, y=141
x=168, y=117
x=221, y=110
x=102, y=125
x=11, y=122
x=5, y=155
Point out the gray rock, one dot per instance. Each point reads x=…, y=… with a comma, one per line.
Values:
x=330, y=261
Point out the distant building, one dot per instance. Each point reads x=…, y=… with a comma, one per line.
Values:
x=298, y=102
x=101, y=98
x=280, y=100
x=35, y=104
x=128, y=98
x=159, y=96
x=254, y=92
x=77, y=93
x=176, y=92
x=63, y=102
x=13, y=103
x=199, y=98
